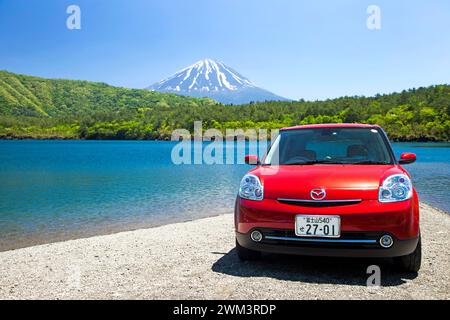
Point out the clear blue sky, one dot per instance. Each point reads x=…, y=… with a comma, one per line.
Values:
x=298, y=49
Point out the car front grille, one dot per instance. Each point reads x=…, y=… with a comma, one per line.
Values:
x=319, y=203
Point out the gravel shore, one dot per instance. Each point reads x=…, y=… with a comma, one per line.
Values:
x=196, y=260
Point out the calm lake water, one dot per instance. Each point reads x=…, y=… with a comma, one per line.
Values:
x=52, y=190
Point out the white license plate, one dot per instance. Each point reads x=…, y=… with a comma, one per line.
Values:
x=317, y=226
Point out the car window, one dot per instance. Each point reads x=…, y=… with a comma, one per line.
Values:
x=330, y=145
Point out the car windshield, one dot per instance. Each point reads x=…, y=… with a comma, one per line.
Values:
x=329, y=146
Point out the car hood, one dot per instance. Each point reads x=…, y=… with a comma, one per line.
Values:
x=339, y=181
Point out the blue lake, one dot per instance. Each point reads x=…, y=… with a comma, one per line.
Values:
x=52, y=190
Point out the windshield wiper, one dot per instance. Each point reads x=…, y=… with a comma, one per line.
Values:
x=368, y=162
x=324, y=161
x=329, y=161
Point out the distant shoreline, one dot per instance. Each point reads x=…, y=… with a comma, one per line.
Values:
x=39, y=108
x=54, y=138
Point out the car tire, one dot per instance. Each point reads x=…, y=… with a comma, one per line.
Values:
x=245, y=254
x=411, y=262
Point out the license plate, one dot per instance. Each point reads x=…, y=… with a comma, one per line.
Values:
x=318, y=226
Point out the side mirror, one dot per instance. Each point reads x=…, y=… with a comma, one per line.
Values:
x=407, y=157
x=252, y=159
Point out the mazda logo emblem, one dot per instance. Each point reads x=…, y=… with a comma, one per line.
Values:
x=318, y=194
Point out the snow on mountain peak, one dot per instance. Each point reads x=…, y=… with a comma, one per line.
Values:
x=204, y=75
x=212, y=78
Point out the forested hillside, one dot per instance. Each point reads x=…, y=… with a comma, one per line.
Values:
x=32, y=107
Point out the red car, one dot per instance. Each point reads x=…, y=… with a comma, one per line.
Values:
x=330, y=190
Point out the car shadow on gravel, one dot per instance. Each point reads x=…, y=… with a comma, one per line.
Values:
x=348, y=271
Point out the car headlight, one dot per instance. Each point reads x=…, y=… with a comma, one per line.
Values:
x=251, y=188
x=397, y=187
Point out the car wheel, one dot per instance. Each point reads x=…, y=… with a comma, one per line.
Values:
x=411, y=262
x=246, y=254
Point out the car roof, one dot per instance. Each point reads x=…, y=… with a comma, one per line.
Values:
x=331, y=125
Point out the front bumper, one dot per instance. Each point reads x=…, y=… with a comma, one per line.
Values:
x=350, y=244
x=367, y=220
x=401, y=219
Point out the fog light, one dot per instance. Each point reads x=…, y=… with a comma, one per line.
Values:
x=386, y=241
x=256, y=236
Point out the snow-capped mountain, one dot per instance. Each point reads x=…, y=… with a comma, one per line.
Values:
x=213, y=79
